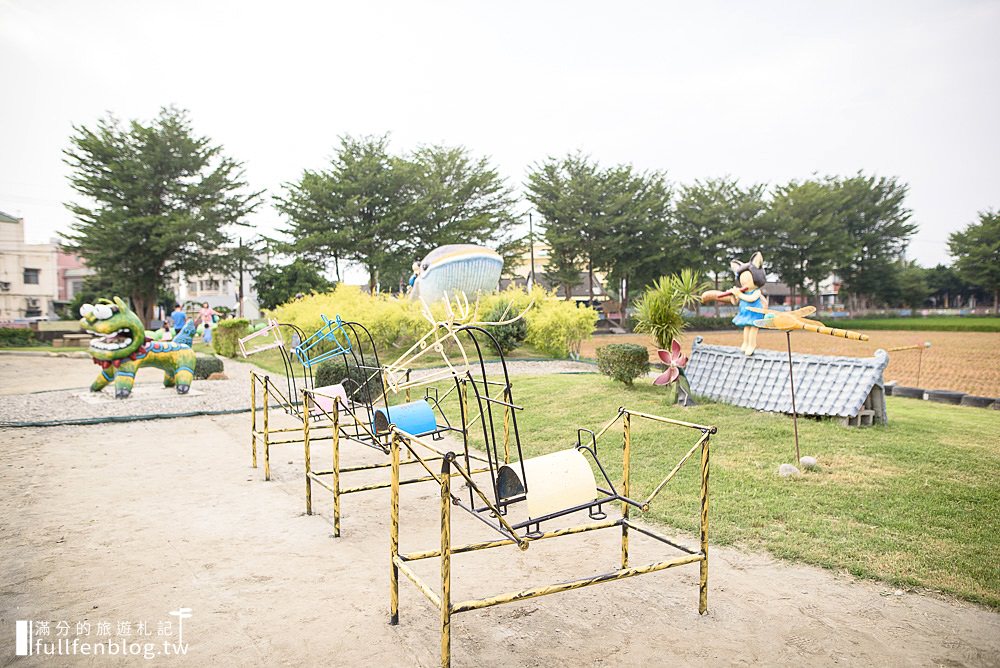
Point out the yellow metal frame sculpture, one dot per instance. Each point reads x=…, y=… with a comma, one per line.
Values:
x=344, y=415
x=493, y=516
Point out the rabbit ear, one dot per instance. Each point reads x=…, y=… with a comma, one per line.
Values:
x=735, y=265
x=757, y=260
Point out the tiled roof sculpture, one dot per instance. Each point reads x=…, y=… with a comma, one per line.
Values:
x=824, y=385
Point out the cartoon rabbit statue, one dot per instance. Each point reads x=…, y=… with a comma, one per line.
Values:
x=750, y=278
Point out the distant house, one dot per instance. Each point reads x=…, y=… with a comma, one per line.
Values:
x=28, y=274
x=71, y=272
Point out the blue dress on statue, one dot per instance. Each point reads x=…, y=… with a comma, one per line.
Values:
x=745, y=317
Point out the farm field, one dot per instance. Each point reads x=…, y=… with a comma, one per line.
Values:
x=962, y=361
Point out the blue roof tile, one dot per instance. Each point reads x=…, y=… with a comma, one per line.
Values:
x=824, y=385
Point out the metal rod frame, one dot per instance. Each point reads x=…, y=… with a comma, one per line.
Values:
x=442, y=600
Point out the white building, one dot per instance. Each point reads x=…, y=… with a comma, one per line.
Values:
x=28, y=274
x=218, y=290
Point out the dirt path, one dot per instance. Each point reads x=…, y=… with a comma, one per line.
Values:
x=126, y=522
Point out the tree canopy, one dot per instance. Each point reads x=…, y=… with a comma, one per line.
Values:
x=384, y=211
x=976, y=250
x=158, y=200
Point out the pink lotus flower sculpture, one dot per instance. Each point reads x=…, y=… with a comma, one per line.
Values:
x=675, y=361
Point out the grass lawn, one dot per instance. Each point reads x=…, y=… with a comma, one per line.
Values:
x=947, y=323
x=914, y=503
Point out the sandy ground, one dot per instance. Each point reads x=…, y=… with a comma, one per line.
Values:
x=963, y=361
x=120, y=524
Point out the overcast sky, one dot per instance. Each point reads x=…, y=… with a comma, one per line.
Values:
x=763, y=91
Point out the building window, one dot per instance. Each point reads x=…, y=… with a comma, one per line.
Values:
x=74, y=288
x=31, y=276
x=209, y=285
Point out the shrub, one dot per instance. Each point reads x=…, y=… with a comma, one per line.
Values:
x=658, y=311
x=558, y=327
x=206, y=365
x=13, y=337
x=393, y=322
x=225, y=338
x=623, y=361
x=335, y=371
x=555, y=327
x=510, y=336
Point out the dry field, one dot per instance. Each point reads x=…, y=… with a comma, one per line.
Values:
x=963, y=361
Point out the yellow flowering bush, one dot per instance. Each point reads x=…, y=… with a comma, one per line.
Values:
x=556, y=327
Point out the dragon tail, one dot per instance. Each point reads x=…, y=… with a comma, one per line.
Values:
x=186, y=336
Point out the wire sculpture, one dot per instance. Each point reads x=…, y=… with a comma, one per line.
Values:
x=493, y=512
x=271, y=334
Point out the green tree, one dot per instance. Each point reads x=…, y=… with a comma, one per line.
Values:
x=716, y=221
x=277, y=285
x=912, y=284
x=615, y=220
x=641, y=243
x=356, y=210
x=976, y=250
x=947, y=287
x=567, y=193
x=876, y=222
x=385, y=211
x=159, y=201
x=457, y=200
x=807, y=236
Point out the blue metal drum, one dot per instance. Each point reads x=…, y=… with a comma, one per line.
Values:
x=416, y=418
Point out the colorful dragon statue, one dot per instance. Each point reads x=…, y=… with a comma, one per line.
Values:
x=121, y=348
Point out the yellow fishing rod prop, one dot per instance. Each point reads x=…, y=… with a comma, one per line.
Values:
x=787, y=322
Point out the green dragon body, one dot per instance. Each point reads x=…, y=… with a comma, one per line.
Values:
x=121, y=349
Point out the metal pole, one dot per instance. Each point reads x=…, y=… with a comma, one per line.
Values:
x=336, y=468
x=791, y=384
x=308, y=458
x=703, y=579
x=253, y=417
x=446, y=562
x=626, y=457
x=394, y=534
x=240, y=296
x=267, y=443
x=531, y=244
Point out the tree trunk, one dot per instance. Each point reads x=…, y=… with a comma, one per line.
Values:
x=624, y=303
x=143, y=305
x=717, y=313
x=996, y=301
x=372, y=276
x=590, y=282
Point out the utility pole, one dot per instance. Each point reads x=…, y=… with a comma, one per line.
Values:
x=531, y=245
x=240, y=295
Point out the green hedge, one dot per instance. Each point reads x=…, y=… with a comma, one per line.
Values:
x=509, y=336
x=708, y=323
x=13, y=336
x=225, y=338
x=335, y=371
x=623, y=361
x=206, y=365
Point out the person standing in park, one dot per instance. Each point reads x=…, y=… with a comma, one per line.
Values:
x=178, y=318
x=206, y=313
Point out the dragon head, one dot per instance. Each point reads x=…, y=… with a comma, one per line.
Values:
x=118, y=330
